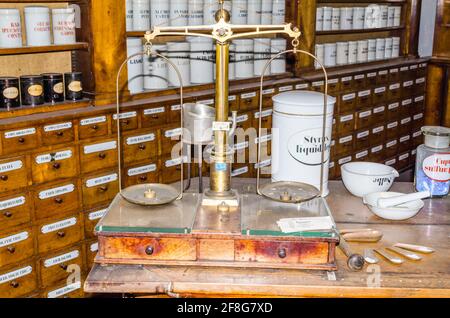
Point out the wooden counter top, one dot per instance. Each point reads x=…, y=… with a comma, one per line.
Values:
x=429, y=277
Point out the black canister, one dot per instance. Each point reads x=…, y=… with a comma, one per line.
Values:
x=9, y=92
x=53, y=87
x=73, y=85
x=32, y=90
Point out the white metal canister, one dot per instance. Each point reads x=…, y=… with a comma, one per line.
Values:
x=239, y=12
x=335, y=19
x=195, y=12
x=320, y=54
x=254, y=12
x=381, y=46
x=346, y=18
x=178, y=12
x=178, y=53
x=319, y=19
x=388, y=48
x=327, y=16
x=278, y=66
x=342, y=53
x=155, y=69
x=202, y=67
x=297, y=137
x=395, y=47
x=210, y=8
x=278, y=12
x=262, y=52
x=372, y=50
x=352, y=52
x=159, y=11
x=363, y=48
x=37, y=25
x=244, y=58
x=383, y=16
x=141, y=15
x=330, y=54
x=358, y=18
x=10, y=28
x=135, y=66
x=266, y=12
x=129, y=15
x=232, y=64
x=391, y=16
x=63, y=21
x=397, y=15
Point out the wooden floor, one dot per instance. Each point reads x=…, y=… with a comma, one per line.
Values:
x=429, y=277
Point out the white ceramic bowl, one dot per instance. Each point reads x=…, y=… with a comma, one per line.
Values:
x=397, y=213
x=361, y=178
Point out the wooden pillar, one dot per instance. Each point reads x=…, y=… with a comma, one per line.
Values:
x=306, y=17
x=434, y=101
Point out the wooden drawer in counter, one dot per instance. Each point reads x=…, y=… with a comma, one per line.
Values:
x=404, y=143
x=391, y=148
x=359, y=81
x=344, y=145
x=346, y=83
x=14, y=141
x=62, y=290
x=16, y=245
x=332, y=170
x=377, y=135
x=333, y=86
x=56, y=198
x=422, y=70
x=171, y=169
x=362, y=155
x=362, y=139
x=15, y=209
x=93, y=127
x=91, y=219
x=170, y=137
x=393, y=111
x=241, y=170
x=19, y=280
x=52, y=165
x=405, y=125
x=99, y=188
x=346, y=123
x=346, y=102
x=55, y=234
x=392, y=129
x=244, y=120
x=371, y=79
x=266, y=120
x=141, y=173
x=363, y=118
x=394, y=75
x=340, y=162
x=140, y=146
x=13, y=173
x=405, y=73
x=394, y=92
x=128, y=121
x=233, y=102
x=418, y=120
x=378, y=114
x=377, y=153
x=419, y=103
x=382, y=77
x=379, y=95
x=57, y=267
x=419, y=85
x=403, y=160
x=363, y=99
x=154, y=116
x=267, y=95
x=417, y=138
x=174, y=114
x=405, y=107
x=248, y=100
x=407, y=89
x=318, y=86
x=98, y=155
x=58, y=133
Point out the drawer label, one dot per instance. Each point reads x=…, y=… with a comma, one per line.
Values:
x=423, y=65
x=365, y=114
x=61, y=258
x=391, y=144
x=383, y=72
x=11, y=203
x=418, y=116
x=345, y=160
x=419, y=99
x=231, y=98
x=94, y=247
x=93, y=120
x=140, y=139
x=248, y=95
x=417, y=134
x=206, y=102
x=333, y=81
x=348, y=96
x=406, y=102
x=97, y=214
x=405, y=138
x=420, y=80
x=404, y=68
x=379, y=90
x=393, y=70
x=318, y=83
x=100, y=147
x=175, y=107
x=346, y=118
x=364, y=93
x=20, y=133
x=55, y=127
x=125, y=115
x=394, y=86
x=376, y=130
x=362, y=154
x=174, y=162
x=57, y=156
x=264, y=113
x=263, y=164
x=372, y=74
x=362, y=134
x=404, y=156
x=15, y=274
x=331, y=165
x=346, y=79
x=239, y=171
x=141, y=170
x=359, y=76
x=172, y=133
x=50, y=193
x=221, y=126
x=405, y=120
x=241, y=145
x=379, y=109
x=101, y=180
x=241, y=118
x=393, y=106
x=392, y=125
x=390, y=162
x=58, y=225
x=301, y=86
x=10, y=166
x=287, y=88
x=413, y=152
x=413, y=67
x=377, y=149
x=268, y=91
x=264, y=139
x=16, y=238
x=64, y=290
x=408, y=83
x=152, y=111
x=345, y=139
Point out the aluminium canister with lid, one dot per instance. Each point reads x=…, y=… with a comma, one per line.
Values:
x=330, y=54
x=10, y=28
x=178, y=53
x=63, y=21
x=32, y=90
x=53, y=87
x=9, y=92
x=352, y=52
x=395, y=47
x=388, y=43
x=37, y=25
x=297, y=133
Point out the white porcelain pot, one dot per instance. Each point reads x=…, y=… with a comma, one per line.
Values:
x=388, y=48
x=319, y=19
x=381, y=48
x=135, y=66
x=335, y=19
x=371, y=50
x=383, y=16
x=398, y=213
x=37, y=24
x=254, y=12
x=330, y=54
x=320, y=54
x=155, y=69
x=358, y=18
x=352, y=52
x=239, y=12
x=363, y=49
x=178, y=53
x=278, y=65
x=279, y=12
x=266, y=12
x=346, y=18
x=327, y=18
x=391, y=16
x=395, y=47
x=141, y=15
x=10, y=28
x=262, y=55
x=63, y=21
x=178, y=12
x=202, y=67
x=342, y=53
x=195, y=12
x=244, y=58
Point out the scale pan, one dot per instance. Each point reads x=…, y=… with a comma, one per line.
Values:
x=289, y=192
x=163, y=194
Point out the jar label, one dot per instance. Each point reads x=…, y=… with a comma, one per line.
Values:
x=141, y=170
x=391, y=144
x=378, y=110
x=437, y=167
x=93, y=120
x=35, y=90
x=306, y=146
x=362, y=154
x=75, y=86
x=289, y=88
x=58, y=88
x=11, y=92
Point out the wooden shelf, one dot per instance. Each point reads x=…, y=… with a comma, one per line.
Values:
x=361, y=1
x=335, y=32
x=43, y=49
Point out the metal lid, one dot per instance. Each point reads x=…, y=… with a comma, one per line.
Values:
x=300, y=102
x=436, y=131
x=436, y=136
x=28, y=77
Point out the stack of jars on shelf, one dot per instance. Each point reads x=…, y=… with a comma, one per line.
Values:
x=195, y=60
x=34, y=90
x=41, y=27
x=357, y=18
x=141, y=15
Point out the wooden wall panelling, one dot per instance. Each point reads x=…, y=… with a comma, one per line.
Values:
x=435, y=88
x=306, y=19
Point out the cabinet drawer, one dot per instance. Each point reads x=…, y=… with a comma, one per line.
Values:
x=91, y=219
x=362, y=155
x=363, y=118
x=407, y=89
x=393, y=111
x=418, y=120
x=170, y=137
x=362, y=139
x=49, y=166
x=175, y=113
x=378, y=114
x=268, y=93
x=394, y=75
x=154, y=116
x=419, y=85
x=98, y=189
x=244, y=120
x=63, y=290
x=392, y=129
x=359, y=81
x=391, y=162
x=51, y=200
x=382, y=77
x=417, y=138
x=14, y=141
x=371, y=79
x=346, y=83
x=318, y=86
x=57, y=234
x=16, y=245
x=18, y=281
x=333, y=85
x=265, y=167
x=404, y=143
x=346, y=123
x=332, y=170
x=172, y=170
x=364, y=99
x=403, y=160
x=93, y=127
x=394, y=92
x=91, y=249
x=347, y=102
x=344, y=145
x=405, y=107
x=379, y=95
x=266, y=120
x=377, y=153
x=391, y=148
x=149, y=248
x=405, y=125
x=15, y=210
x=422, y=70
x=13, y=174
x=142, y=173
x=405, y=74
x=128, y=121
x=98, y=155
x=419, y=103
x=138, y=147
x=57, y=133
x=377, y=135
x=241, y=170
x=248, y=100
x=57, y=267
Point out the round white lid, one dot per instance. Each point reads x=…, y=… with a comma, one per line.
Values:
x=63, y=10
x=436, y=136
x=301, y=102
x=37, y=9
x=178, y=46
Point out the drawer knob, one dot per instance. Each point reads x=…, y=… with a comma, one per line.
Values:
x=126, y=122
x=56, y=165
x=282, y=253
x=102, y=155
x=7, y=214
x=155, y=116
x=21, y=140
x=103, y=188
x=11, y=249
x=4, y=178
x=143, y=178
x=61, y=234
x=60, y=134
x=95, y=127
x=15, y=284
x=63, y=267
x=149, y=250
x=59, y=200
x=142, y=147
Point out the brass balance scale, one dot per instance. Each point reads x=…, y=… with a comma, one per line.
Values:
x=156, y=224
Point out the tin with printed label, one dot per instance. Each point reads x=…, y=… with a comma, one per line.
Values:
x=32, y=90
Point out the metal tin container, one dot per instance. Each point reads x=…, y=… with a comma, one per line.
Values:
x=32, y=90
x=73, y=85
x=53, y=87
x=9, y=92
x=198, y=121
